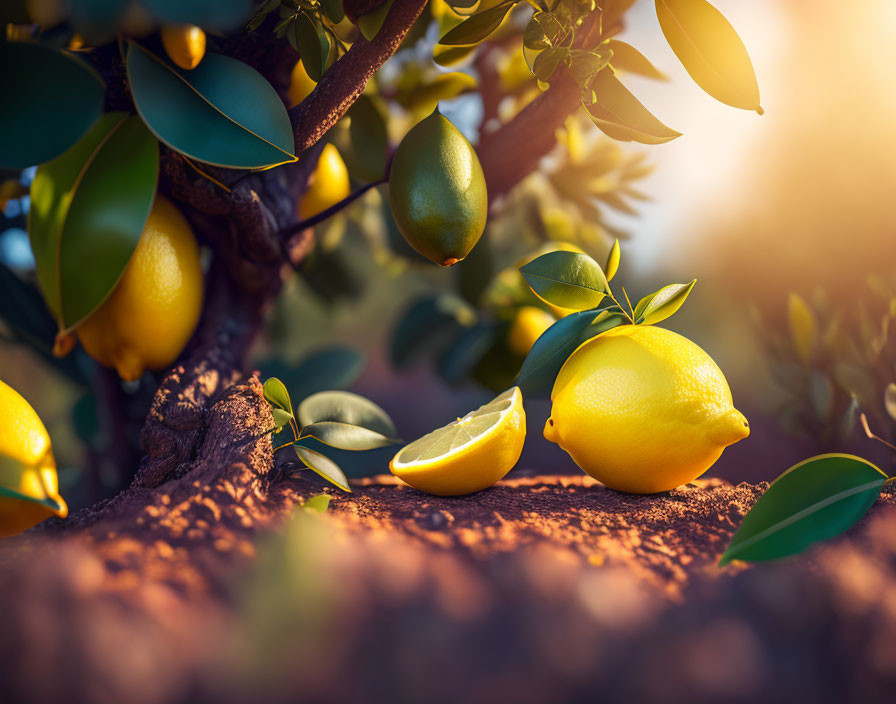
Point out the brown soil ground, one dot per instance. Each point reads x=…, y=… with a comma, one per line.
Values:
x=541, y=589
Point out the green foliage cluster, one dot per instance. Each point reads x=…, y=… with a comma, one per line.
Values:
x=336, y=419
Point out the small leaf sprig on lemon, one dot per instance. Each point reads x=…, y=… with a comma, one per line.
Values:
x=29, y=487
x=640, y=408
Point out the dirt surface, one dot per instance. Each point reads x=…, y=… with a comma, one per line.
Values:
x=539, y=589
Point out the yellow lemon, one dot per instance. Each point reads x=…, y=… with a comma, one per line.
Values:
x=149, y=317
x=329, y=184
x=29, y=489
x=527, y=326
x=643, y=409
x=300, y=84
x=184, y=44
x=469, y=454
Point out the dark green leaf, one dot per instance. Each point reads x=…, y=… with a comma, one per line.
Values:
x=371, y=23
x=212, y=14
x=322, y=465
x=660, y=305
x=222, y=112
x=554, y=346
x=345, y=407
x=566, y=279
x=319, y=503
x=275, y=393
x=543, y=31
x=814, y=500
x=88, y=209
x=51, y=99
x=85, y=420
x=627, y=58
x=312, y=44
x=332, y=367
x=369, y=140
x=449, y=56
x=333, y=10
x=345, y=436
x=620, y=115
x=428, y=326
x=547, y=61
x=457, y=362
x=477, y=27
x=96, y=20
x=584, y=65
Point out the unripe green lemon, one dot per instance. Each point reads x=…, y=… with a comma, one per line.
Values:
x=643, y=409
x=437, y=191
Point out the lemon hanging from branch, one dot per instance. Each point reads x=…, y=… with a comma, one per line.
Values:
x=437, y=191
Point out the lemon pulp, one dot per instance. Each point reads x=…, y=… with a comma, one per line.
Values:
x=470, y=453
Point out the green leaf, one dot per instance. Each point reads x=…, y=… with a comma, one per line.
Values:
x=584, y=65
x=319, y=503
x=627, y=58
x=281, y=418
x=333, y=10
x=428, y=326
x=543, y=31
x=620, y=115
x=371, y=23
x=213, y=14
x=88, y=209
x=477, y=27
x=275, y=393
x=423, y=98
x=710, y=50
x=613, y=260
x=312, y=44
x=566, y=279
x=814, y=500
x=322, y=465
x=662, y=304
x=345, y=407
x=547, y=61
x=457, y=362
x=345, y=436
x=366, y=159
x=553, y=347
x=51, y=99
x=450, y=56
x=890, y=400
x=223, y=112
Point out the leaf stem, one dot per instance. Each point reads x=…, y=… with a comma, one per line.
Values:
x=622, y=310
x=863, y=419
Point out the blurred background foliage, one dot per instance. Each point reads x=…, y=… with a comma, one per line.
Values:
x=785, y=221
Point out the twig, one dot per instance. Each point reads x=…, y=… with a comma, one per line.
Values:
x=287, y=232
x=871, y=435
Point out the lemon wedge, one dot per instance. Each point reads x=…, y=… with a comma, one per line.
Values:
x=469, y=454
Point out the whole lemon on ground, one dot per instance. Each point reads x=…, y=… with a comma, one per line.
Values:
x=29, y=489
x=528, y=325
x=437, y=191
x=149, y=317
x=300, y=84
x=643, y=409
x=469, y=454
x=184, y=44
x=329, y=184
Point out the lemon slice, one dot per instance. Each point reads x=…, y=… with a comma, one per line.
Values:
x=469, y=454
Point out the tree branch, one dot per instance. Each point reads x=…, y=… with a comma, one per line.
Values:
x=512, y=152
x=344, y=82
